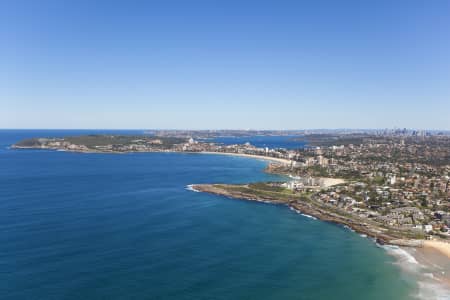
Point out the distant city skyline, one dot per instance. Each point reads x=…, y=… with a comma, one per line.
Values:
x=225, y=65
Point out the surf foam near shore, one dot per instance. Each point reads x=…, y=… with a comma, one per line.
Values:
x=305, y=215
x=191, y=188
x=431, y=283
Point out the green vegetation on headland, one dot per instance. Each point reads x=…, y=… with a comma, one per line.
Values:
x=388, y=186
x=306, y=203
x=103, y=143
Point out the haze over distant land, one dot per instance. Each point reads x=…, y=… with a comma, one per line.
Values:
x=227, y=64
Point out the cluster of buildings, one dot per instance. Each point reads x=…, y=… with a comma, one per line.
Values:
x=401, y=183
x=400, y=180
x=304, y=184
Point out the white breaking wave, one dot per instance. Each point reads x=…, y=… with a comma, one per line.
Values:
x=428, y=287
x=262, y=201
x=349, y=228
x=190, y=187
x=305, y=215
x=432, y=291
x=402, y=255
x=308, y=216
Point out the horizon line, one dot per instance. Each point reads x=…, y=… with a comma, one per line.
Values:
x=232, y=129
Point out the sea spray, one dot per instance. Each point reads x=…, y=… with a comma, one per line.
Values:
x=191, y=188
x=305, y=215
x=429, y=287
x=401, y=254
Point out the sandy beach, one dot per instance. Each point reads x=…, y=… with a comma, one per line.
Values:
x=327, y=181
x=438, y=245
x=430, y=264
x=268, y=158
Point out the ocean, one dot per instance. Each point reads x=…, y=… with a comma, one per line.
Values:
x=125, y=226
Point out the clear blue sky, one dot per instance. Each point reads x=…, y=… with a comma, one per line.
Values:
x=225, y=64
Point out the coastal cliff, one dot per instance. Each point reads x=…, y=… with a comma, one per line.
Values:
x=303, y=203
x=371, y=205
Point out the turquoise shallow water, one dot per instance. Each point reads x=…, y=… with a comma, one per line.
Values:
x=107, y=226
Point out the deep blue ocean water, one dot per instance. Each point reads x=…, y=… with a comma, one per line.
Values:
x=123, y=226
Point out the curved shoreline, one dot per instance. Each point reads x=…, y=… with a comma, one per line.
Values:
x=262, y=157
x=438, y=245
x=267, y=158
x=312, y=209
x=409, y=254
x=301, y=209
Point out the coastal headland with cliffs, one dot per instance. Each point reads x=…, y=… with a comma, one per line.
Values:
x=393, y=189
x=329, y=182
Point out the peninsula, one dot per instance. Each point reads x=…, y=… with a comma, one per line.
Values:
x=394, y=187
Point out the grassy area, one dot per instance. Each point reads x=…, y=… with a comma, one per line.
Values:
x=94, y=140
x=265, y=190
x=29, y=143
x=104, y=140
x=283, y=195
x=266, y=187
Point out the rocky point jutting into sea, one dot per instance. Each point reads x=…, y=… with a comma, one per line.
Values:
x=397, y=198
x=369, y=188
x=304, y=204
